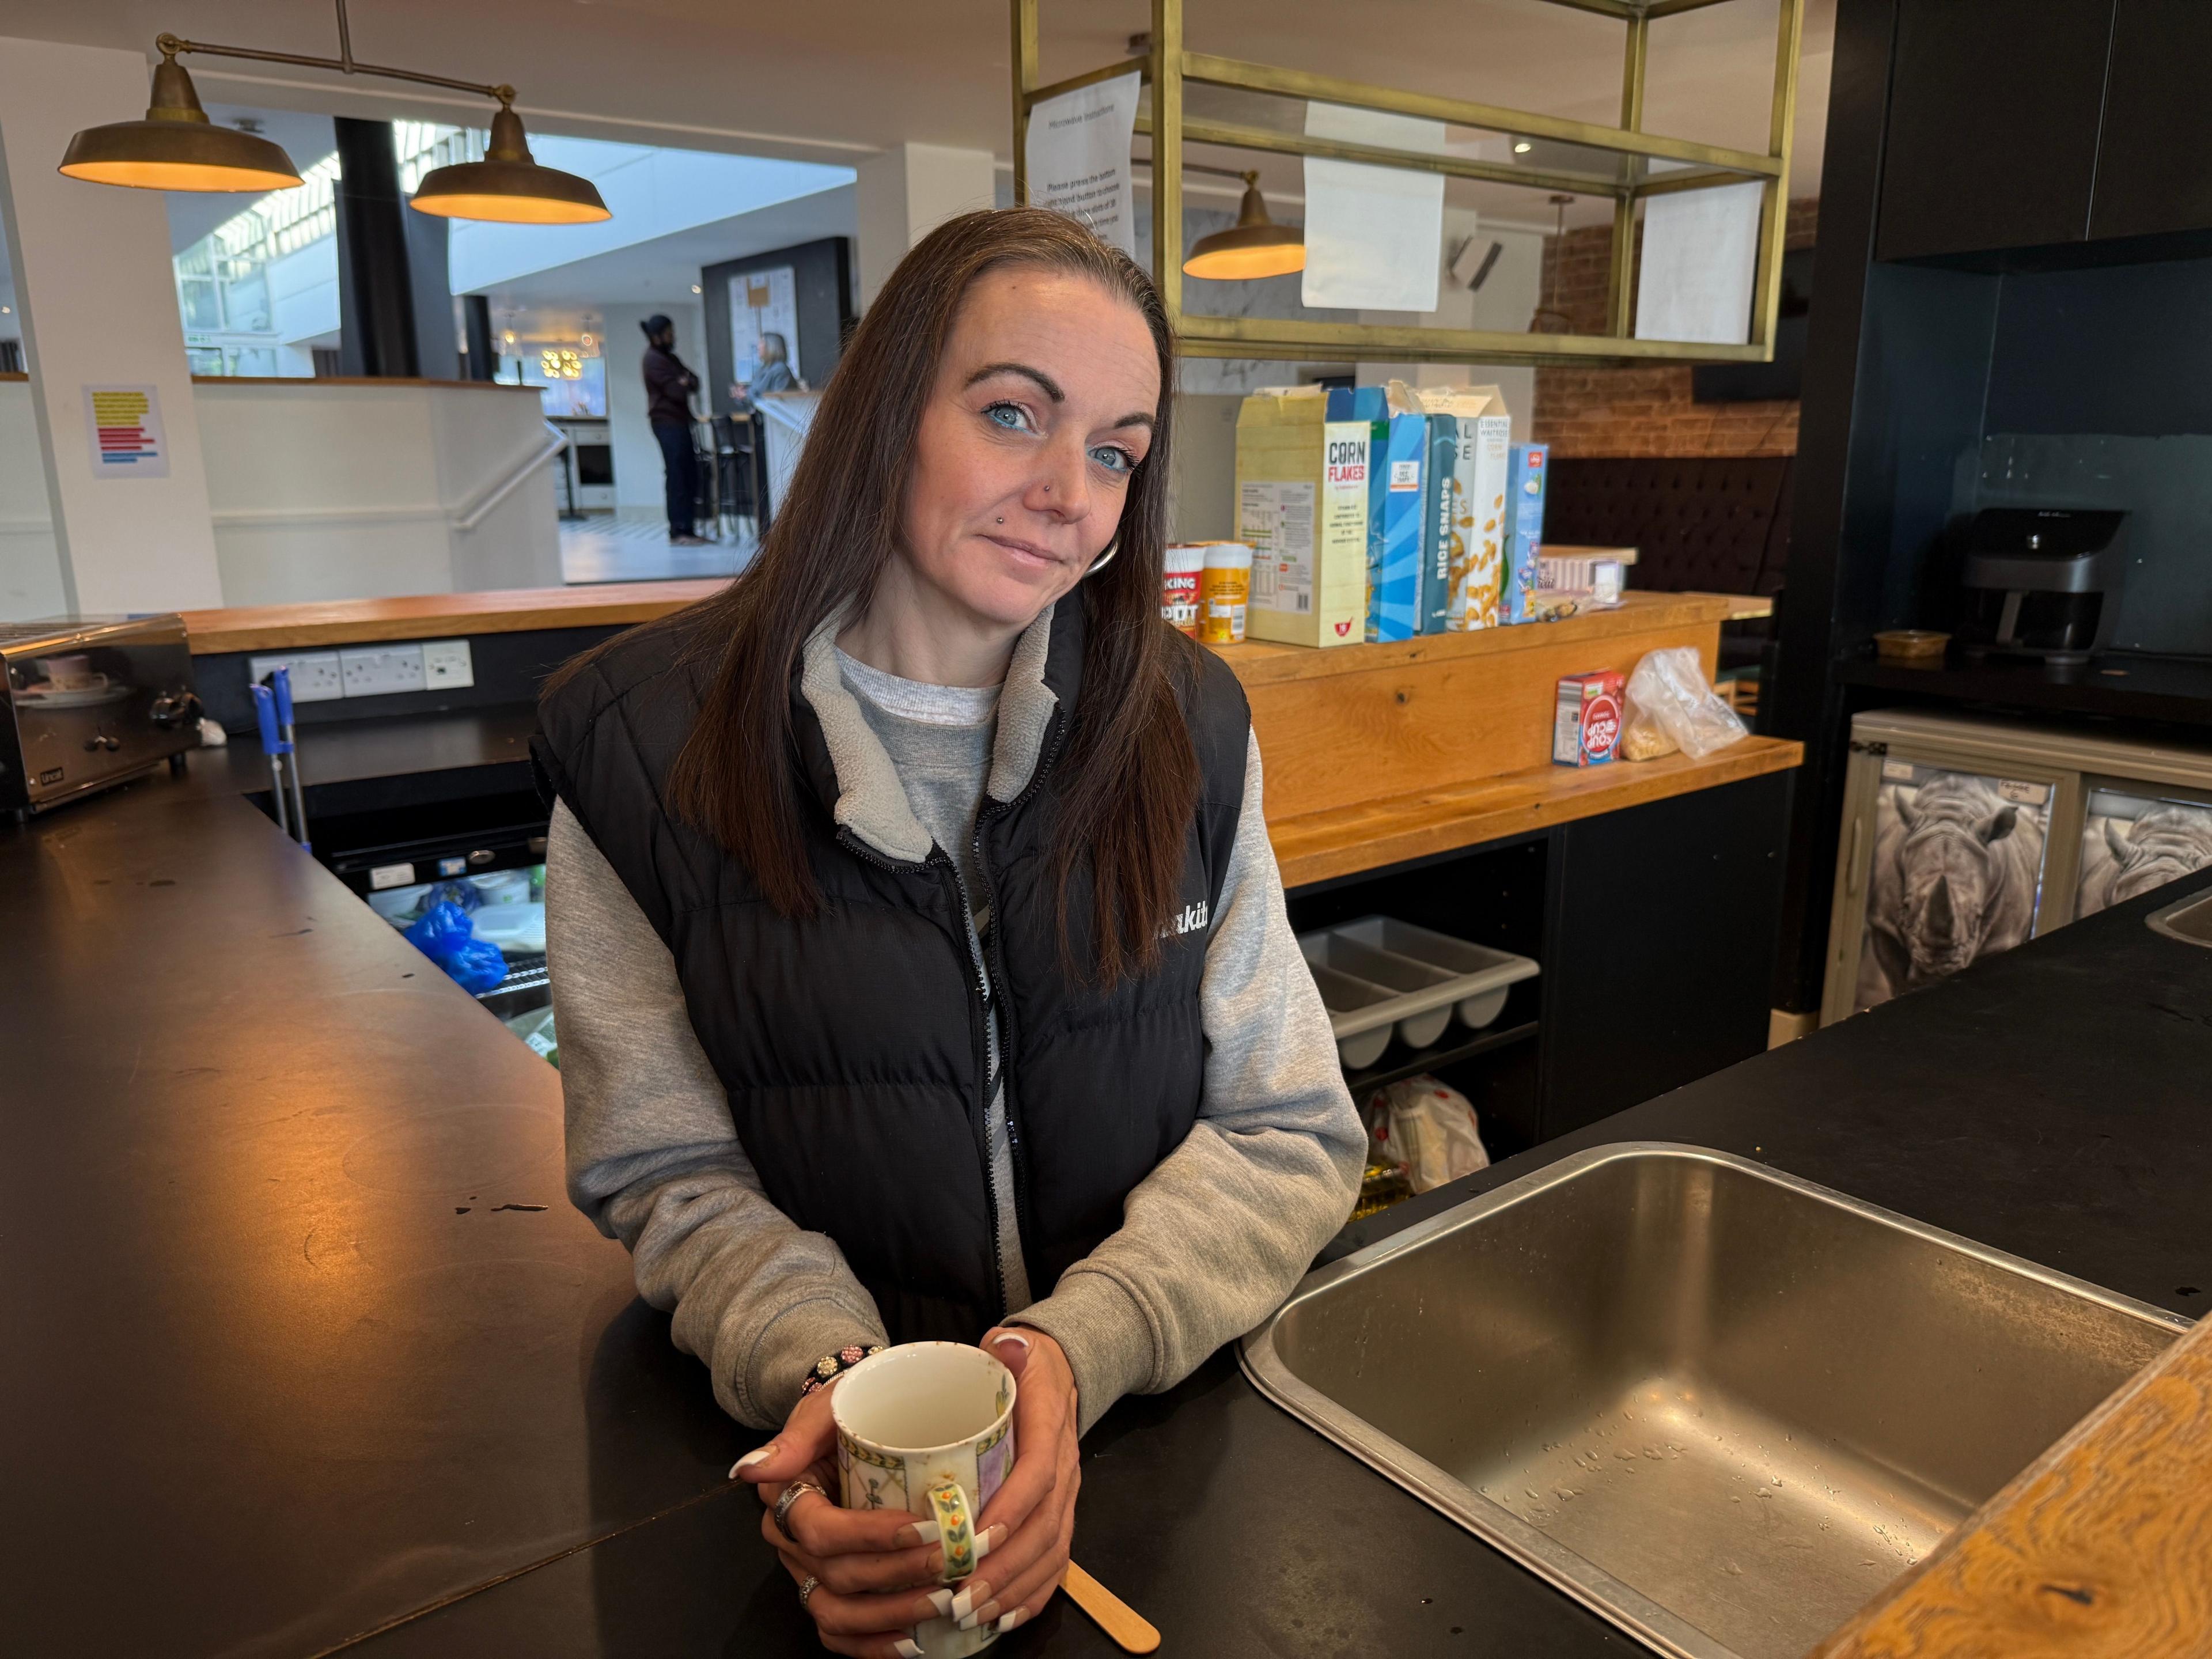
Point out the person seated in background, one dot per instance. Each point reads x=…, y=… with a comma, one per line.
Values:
x=668, y=388
x=774, y=373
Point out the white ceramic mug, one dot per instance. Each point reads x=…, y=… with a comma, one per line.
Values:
x=928, y=1427
x=72, y=673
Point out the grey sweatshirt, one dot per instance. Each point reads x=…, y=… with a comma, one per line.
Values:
x=1211, y=1241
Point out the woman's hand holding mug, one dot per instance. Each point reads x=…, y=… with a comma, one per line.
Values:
x=878, y=1573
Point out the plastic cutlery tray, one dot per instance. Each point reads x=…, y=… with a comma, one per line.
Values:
x=1379, y=975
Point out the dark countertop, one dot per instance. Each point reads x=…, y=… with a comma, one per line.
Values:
x=2174, y=689
x=283, y=1373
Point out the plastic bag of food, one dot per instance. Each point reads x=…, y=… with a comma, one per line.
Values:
x=445, y=935
x=1669, y=703
x=1429, y=1130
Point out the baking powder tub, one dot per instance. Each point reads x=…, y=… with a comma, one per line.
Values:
x=1225, y=588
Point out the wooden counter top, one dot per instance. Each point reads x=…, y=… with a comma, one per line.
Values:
x=1345, y=839
x=518, y=609
x=435, y=615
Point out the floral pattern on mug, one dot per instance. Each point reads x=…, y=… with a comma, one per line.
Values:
x=953, y=1529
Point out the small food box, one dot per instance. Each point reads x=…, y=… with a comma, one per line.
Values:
x=1301, y=484
x=1586, y=724
x=1524, y=526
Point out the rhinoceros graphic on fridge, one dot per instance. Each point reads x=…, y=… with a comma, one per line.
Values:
x=1956, y=875
x=2131, y=844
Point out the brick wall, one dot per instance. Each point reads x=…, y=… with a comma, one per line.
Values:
x=1643, y=411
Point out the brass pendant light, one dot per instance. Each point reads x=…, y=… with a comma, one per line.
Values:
x=508, y=186
x=176, y=146
x=1256, y=246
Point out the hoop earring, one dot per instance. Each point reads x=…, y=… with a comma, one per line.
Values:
x=1103, y=559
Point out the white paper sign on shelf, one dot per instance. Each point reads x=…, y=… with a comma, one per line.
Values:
x=1077, y=157
x=1374, y=236
x=1700, y=251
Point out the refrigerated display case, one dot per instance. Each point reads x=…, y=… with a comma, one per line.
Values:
x=1960, y=838
x=486, y=853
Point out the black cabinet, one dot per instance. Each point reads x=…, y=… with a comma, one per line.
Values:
x=1994, y=108
x=2155, y=164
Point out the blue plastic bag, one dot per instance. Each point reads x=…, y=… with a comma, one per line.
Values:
x=445, y=934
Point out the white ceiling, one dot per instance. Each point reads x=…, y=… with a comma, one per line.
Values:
x=839, y=79
x=662, y=271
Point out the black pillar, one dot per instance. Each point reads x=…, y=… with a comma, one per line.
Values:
x=437, y=341
x=484, y=355
x=376, y=296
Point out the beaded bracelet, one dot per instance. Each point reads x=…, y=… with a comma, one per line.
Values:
x=828, y=1369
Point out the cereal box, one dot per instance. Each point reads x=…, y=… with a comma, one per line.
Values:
x=1586, y=722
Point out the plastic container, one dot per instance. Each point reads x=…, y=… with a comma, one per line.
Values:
x=1224, y=586
x=1181, y=566
x=1381, y=977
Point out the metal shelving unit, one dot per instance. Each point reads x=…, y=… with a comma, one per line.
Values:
x=1620, y=168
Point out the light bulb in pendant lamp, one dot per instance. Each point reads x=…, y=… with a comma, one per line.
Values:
x=176, y=146
x=1256, y=246
x=507, y=186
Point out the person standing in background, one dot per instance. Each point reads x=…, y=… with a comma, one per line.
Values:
x=668, y=389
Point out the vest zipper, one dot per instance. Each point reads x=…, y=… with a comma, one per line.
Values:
x=993, y=1077
x=1004, y=1027
x=991, y=1065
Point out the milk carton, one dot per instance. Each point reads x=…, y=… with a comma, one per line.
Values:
x=1302, y=509
x=1485, y=431
x=1524, y=499
x=1365, y=404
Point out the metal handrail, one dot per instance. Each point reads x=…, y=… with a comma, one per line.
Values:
x=555, y=441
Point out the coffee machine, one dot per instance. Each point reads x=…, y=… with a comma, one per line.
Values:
x=2041, y=582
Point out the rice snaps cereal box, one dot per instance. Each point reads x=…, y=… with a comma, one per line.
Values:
x=1485, y=432
x=1587, y=719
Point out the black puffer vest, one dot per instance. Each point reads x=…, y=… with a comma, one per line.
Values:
x=852, y=1043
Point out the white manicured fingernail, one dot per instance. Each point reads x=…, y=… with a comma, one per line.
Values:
x=987, y=1540
x=907, y=1650
x=1004, y=1337
x=928, y=1532
x=751, y=1458
x=966, y=1602
x=982, y=1615
x=942, y=1600
x=1017, y=1616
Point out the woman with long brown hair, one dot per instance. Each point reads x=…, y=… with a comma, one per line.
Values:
x=919, y=961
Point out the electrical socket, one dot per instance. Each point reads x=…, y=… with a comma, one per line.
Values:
x=447, y=665
x=316, y=675
x=376, y=670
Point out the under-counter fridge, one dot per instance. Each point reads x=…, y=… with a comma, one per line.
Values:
x=1962, y=837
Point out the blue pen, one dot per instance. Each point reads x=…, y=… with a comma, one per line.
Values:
x=280, y=683
x=265, y=712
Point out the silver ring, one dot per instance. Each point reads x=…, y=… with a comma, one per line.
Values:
x=792, y=1494
x=1105, y=558
x=807, y=1587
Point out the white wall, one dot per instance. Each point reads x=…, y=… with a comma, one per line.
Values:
x=97, y=298
x=30, y=570
x=638, y=479
x=325, y=492
x=900, y=197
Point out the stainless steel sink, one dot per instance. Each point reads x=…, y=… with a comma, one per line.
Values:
x=1721, y=1406
x=2189, y=920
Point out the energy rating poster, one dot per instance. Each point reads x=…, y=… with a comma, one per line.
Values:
x=125, y=424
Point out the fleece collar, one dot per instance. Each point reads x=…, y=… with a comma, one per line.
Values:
x=854, y=774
